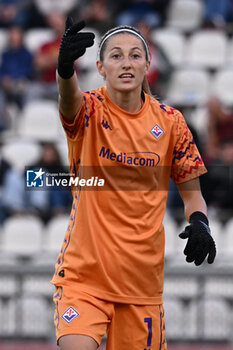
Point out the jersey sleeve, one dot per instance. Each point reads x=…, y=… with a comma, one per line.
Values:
x=76, y=128
x=187, y=163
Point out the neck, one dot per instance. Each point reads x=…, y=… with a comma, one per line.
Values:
x=130, y=101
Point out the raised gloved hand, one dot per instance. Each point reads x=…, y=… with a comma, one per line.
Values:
x=73, y=45
x=200, y=242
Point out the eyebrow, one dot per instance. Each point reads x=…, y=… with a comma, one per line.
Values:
x=119, y=48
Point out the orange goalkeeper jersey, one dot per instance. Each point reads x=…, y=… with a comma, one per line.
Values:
x=114, y=244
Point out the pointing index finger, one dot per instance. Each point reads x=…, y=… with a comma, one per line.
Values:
x=77, y=27
x=69, y=22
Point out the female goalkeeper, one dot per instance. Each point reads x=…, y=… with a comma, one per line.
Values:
x=109, y=273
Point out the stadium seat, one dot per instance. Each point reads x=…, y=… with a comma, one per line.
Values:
x=3, y=40
x=20, y=152
x=188, y=87
x=219, y=286
x=218, y=235
x=48, y=6
x=181, y=286
x=44, y=260
x=55, y=233
x=186, y=15
x=229, y=56
x=174, y=318
x=8, y=317
x=173, y=42
x=22, y=236
x=207, y=49
x=38, y=285
x=36, y=317
x=9, y=284
x=198, y=118
x=91, y=80
x=170, y=235
x=7, y=260
x=217, y=319
x=191, y=320
x=35, y=38
x=229, y=235
x=181, y=314
x=226, y=246
x=40, y=121
x=62, y=148
x=222, y=86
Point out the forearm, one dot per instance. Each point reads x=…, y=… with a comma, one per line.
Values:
x=194, y=203
x=70, y=96
x=191, y=195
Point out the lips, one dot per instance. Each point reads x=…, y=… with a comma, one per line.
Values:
x=126, y=75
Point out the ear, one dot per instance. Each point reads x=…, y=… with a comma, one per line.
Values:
x=147, y=67
x=100, y=69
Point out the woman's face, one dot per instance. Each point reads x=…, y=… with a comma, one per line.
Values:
x=124, y=63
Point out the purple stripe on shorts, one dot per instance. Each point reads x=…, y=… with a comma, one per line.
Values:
x=161, y=327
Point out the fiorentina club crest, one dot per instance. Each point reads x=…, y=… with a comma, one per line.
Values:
x=70, y=314
x=157, y=131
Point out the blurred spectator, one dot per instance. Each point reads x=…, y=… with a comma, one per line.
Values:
x=9, y=11
x=21, y=13
x=217, y=184
x=16, y=68
x=14, y=199
x=4, y=118
x=220, y=127
x=4, y=168
x=160, y=68
x=45, y=61
x=98, y=14
x=150, y=11
x=218, y=12
x=50, y=201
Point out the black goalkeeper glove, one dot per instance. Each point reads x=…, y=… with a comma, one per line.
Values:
x=73, y=45
x=200, y=242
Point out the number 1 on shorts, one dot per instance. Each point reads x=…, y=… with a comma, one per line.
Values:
x=148, y=320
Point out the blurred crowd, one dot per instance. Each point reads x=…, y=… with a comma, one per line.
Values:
x=27, y=74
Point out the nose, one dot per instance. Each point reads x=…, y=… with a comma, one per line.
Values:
x=126, y=64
